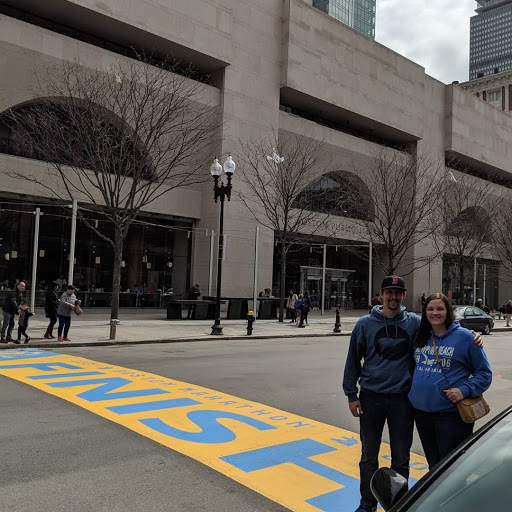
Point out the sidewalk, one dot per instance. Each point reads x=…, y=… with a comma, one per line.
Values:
x=151, y=326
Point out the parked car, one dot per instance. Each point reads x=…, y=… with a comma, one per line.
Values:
x=474, y=318
x=475, y=477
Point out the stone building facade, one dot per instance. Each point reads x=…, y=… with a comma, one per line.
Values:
x=277, y=65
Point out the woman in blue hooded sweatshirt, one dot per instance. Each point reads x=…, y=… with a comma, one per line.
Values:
x=464, y=366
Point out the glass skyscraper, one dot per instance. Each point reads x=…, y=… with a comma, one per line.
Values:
x=491, y=38
x=358, y=14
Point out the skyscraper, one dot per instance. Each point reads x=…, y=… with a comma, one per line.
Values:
x=490, y=38
x=358, y=14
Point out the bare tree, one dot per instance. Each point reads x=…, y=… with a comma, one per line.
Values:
x=464, y=224
x=281, y=179
x=502, y=236
x=116, y=139
x=397, y=208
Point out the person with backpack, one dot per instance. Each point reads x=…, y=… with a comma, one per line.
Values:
x=305, y=307
x=10, y=308
x=297, y=306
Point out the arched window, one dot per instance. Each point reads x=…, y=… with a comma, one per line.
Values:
x=339, y=193
x=472, y=223
x=73, y=135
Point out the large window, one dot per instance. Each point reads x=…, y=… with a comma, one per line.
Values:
x=156, y=255
x=337, y=193
x=18, y=137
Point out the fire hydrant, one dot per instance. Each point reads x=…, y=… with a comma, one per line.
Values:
x=250, y=320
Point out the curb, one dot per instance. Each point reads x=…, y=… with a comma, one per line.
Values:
x=106, y=343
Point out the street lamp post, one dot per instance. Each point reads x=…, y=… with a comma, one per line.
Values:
x=221, y=192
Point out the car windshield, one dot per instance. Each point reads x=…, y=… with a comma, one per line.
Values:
x=459, y=312
x=480, y=479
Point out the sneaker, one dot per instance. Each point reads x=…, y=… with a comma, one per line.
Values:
x=16, y=341
x=60, y=338
x=27, y=339
x=66, y=339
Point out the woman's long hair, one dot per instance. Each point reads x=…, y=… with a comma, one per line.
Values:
x=424, y=332
x=52, y=287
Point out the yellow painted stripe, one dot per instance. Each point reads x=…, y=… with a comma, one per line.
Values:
x=300, y=463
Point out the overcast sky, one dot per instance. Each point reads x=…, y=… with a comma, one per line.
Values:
x=433, y=33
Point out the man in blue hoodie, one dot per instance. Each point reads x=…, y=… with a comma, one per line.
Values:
x=384, y=339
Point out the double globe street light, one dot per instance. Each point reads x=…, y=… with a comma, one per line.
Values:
x=221, y=192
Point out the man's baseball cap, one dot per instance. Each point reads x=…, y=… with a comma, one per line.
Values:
x=393, y=282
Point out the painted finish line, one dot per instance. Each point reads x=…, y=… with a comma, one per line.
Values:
x=299, y=463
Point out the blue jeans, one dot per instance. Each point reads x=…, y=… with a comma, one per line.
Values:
x=440, y=433
x=64, y=324
x=377, y=409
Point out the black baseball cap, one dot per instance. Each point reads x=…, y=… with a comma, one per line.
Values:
x=393, y=282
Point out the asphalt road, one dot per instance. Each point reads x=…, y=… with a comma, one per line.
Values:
x=57, y=456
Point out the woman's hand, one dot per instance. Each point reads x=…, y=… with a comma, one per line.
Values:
x=454, y=395
x=72, y=306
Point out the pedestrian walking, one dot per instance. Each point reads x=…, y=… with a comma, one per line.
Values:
x=422, y=300
x=508, y=312
x=459, y=369
x=25, y=314
x=50, y=307
x=10, y=309
x=290, y=306
x=193, y=294
x=297, y=306
x=383, y=340
x=305, y=307
x=66, y=306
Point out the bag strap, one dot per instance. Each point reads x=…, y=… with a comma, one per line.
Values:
x=439, y=362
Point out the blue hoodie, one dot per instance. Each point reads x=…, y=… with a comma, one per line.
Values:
x=465, y=365
x=386, y=345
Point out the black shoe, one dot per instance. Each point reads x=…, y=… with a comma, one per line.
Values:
x=16, y=341
x=3, y=340
x=27, y=339
x=8, y=340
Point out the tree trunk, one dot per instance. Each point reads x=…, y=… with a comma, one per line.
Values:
x=116, y=283
x=282, y=284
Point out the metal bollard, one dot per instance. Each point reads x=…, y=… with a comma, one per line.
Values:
x=250, y=320
x=337, y=324
x=114, y=322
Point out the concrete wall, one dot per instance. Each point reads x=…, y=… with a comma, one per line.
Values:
x=477, y=130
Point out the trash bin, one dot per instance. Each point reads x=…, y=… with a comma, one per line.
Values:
x=234, y=309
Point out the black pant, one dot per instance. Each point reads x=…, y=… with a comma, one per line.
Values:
x=440, y=433
x=53, y=320
x=191, y=311
x=22, y=330
x=7, y=325
x=377, y=409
